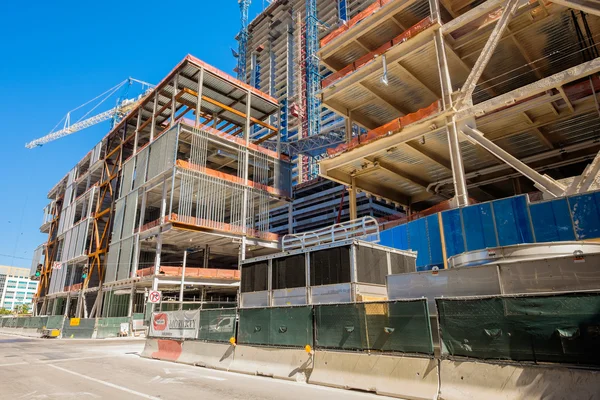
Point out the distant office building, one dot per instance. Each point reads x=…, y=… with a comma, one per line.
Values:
x=15, y=287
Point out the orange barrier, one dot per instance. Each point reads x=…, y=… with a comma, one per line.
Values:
x=193, y=272
x=168, y=350
x=368, y=58
x=387, y=129
x=230, y=178
x=376, y=6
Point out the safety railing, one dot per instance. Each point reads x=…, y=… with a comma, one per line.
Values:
x=366, y=227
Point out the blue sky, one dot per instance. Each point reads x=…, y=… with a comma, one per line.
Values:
x=54, y=58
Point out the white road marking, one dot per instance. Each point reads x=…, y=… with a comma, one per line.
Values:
x=58, y=360
x=112, y=385
x=73, y=359
x=10, y=365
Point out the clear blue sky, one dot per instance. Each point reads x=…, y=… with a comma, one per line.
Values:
x=54, y=57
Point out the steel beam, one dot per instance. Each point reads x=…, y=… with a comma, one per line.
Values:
x=458, y=168
x=542, y=182
x=486, y=54
x=588, y=6
x=527, y=91
x=352, y=193
x=589, y=176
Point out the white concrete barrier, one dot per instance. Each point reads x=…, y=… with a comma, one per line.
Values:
x=281, y=363
x=209, y=355
x=150, y=347
x=28, y=332
x=405, y=377
x=476, y=381
x=163, y=349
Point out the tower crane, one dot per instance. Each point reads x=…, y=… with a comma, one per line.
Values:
x=115, y=114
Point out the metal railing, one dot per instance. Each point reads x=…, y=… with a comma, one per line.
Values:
x=359, y=228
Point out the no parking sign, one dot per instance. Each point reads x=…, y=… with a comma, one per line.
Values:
x=154, y=297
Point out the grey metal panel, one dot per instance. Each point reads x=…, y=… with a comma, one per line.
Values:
x=556, y=274
x=96, y=153
x=127, y=176
x=130, y=212
x=81, y=238
x=289, y=297
x=371, y=290
x=124, y=266
x=111, y=262
x=255, y=299
x=118, y=220
x=162, y=154
x=468, y=281
x=66, y=247
x=141, y=164
x=339, y=293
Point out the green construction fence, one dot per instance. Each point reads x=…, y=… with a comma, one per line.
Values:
x=84, y=330
x=561, y=328
x=393, y=326
x=218, y=325
x=110, y=327
x=277, y=326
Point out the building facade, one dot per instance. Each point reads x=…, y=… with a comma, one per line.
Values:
x=15, y=287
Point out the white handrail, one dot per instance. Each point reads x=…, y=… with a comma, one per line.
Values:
x=358, y=228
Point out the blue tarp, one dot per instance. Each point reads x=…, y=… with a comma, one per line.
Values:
x=502, y=222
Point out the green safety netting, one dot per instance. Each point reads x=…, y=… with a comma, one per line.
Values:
x=400, y=326
x=55, y=322
x=277, y=326
x=217, y=325
x=110, y=326
x=558, y=328
x=84, y=330
x=35, y=322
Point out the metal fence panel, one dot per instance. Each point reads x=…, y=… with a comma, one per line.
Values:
x=277, y=326
x=396, y=326
x=291, y=326
x=254, y=326
x=110, y=327
x=55, y=322
x=557, y=328
x=83, y=330
x=218, y=325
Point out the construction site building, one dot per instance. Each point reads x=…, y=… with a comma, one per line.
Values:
x=169, y=200
x=275, y=47
x=465, y=100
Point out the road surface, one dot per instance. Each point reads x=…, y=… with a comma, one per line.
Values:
x=112, y=369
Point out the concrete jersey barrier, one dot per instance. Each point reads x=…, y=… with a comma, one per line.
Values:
x=281, y=363
x=476, y=380
x=397, y=376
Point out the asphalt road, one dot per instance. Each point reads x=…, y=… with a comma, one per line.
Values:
x=112, y=369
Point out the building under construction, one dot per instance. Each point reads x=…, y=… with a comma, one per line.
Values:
x=415, y=107
x=169, y=200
